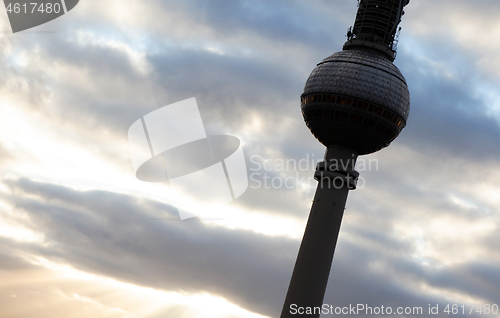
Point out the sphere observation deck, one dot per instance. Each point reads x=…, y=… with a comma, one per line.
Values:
x=357, y=98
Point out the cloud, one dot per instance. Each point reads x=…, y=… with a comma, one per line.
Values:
x=119, y=236
x=113, y=235
x=421, y=230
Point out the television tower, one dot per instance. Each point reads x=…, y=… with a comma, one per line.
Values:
x=355, y=102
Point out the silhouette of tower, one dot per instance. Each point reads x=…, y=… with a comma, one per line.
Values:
x=355, y=102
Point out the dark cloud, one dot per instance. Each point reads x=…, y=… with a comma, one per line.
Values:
x=365, y=276
x=447, y=116
x=230, y=88
x=120, y=236
x=113, y=235
x=102, y=92
x=280, y=21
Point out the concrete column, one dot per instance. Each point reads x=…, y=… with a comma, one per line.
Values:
x=307, y=288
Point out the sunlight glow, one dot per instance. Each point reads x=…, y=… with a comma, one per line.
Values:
x=148, y=301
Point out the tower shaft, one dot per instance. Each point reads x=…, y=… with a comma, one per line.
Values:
x=336, y=176
x=376, y=26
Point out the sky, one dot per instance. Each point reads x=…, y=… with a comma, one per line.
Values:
x=81, y=236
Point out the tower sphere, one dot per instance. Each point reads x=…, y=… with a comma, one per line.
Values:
x=356, y=99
